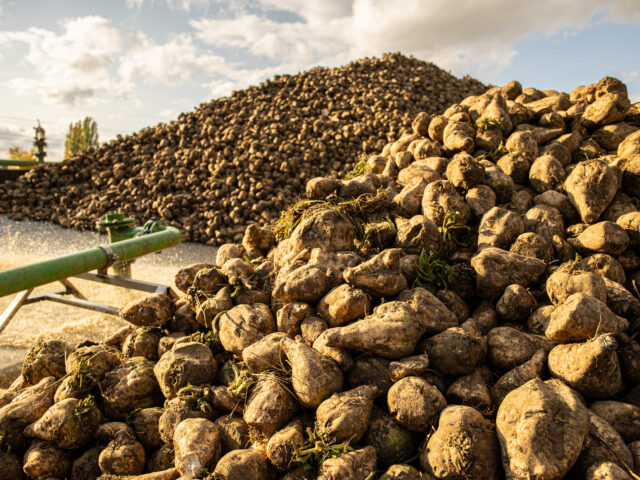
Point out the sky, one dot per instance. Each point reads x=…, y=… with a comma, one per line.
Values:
x=130, y=64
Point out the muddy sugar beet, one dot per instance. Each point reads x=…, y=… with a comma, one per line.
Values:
x=463, y=306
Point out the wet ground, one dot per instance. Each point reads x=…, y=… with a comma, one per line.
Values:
x=27, y=242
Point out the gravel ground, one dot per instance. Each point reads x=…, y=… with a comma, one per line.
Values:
x=29, y=241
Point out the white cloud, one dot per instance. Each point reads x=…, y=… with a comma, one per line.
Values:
x=470, y=37
x=296, y=42
x=135, y=3
x=71, y=68
x=14, y=136
x=630, y=76
x=221, y=88
x=168, y=113
x=315, y=11
x=185, y=5
x=172, y=63
x=93, y=61
x=90, y=60
x=624, y=11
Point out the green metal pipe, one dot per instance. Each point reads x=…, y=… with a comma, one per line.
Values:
x=30, y=276
x=7, y=162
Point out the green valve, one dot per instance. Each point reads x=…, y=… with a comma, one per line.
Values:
x=152, y=226
x=118, y=226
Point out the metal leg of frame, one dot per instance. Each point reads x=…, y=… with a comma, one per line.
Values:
x=71, y=289
x=76, y=302
x=125, y=283
x=24, y=298
x=13, y=307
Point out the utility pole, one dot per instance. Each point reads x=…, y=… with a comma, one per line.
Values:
x=40, y=142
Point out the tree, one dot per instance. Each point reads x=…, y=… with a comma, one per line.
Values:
x=16, y=153
x=82, y=135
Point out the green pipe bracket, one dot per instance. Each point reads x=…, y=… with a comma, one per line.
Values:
x=120, y=227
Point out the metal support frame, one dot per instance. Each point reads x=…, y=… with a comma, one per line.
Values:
x=70, y=295
x=126, y=243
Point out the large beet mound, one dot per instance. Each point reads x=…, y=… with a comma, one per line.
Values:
x=467, y=307
x=240, y=159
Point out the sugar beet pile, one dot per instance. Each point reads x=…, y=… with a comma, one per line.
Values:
x=464, y=308
x=240, y=159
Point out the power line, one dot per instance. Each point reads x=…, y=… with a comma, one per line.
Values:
x=33, y=122
x=5, y=136
x=45, y=122
x=22, y=118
